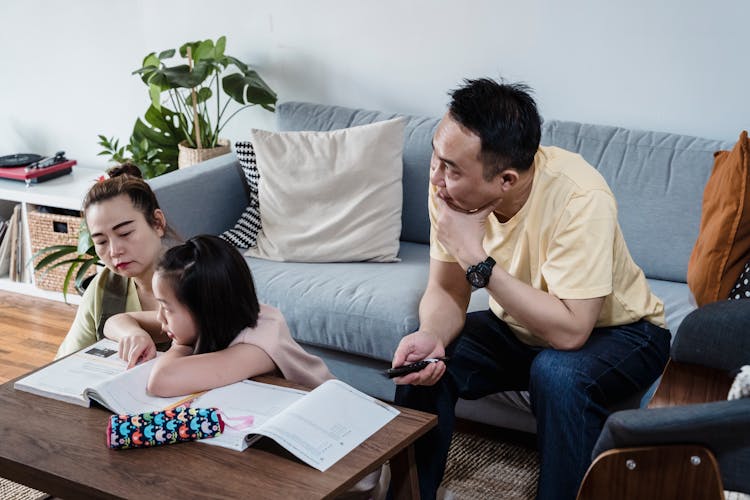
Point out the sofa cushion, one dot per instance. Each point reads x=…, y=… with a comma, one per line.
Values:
x=330, y=196
x=677, y=301
x=415, y=225
x=358, y=307
x=245, y=232
x=723, y=244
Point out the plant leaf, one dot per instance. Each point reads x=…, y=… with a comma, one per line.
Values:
x=166, y=54
x=154, y=92
x=193, y=46
x=233, y=60
x=248, y=88
x=66, y=281
x=204, y=51
x=161, y=133
x=204, y=94
x=56, y=252
x=221, y=45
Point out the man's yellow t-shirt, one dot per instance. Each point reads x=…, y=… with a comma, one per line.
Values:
x=566, y=241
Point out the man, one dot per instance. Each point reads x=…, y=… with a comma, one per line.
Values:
x=571, y=316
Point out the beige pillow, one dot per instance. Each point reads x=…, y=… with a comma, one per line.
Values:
x=330, y=196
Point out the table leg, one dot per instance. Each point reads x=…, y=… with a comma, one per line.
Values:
x=404, y=480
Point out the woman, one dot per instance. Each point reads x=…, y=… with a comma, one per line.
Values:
x=127, y=227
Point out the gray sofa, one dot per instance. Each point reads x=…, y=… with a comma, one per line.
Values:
x=353, y=314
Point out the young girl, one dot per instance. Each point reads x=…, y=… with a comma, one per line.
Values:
x=220, y=333
x=127, y=228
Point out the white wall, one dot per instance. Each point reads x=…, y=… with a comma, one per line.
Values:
x=674, y=65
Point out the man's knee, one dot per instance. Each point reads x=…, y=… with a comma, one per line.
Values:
x=555, y=373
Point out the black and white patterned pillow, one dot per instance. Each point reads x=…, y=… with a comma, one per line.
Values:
x=741, y=289
x=244, y=234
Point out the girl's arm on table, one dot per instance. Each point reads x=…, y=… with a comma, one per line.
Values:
x=179, y=372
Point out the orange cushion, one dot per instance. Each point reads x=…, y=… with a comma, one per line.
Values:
x=723, y=244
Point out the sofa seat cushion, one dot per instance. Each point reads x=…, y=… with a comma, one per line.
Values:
x=355, y=307
x=678, y=301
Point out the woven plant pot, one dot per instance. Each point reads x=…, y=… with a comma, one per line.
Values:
x=190, y=156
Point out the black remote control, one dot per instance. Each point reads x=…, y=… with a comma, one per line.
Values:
x=412, y=367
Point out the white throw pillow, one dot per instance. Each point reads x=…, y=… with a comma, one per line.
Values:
x=741, y=385
x=331, y=196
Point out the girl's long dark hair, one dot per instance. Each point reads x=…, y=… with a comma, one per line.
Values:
x=211, y=278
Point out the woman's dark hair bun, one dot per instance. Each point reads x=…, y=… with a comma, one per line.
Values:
x=126, y=168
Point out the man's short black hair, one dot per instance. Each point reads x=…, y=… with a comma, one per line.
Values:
x=505, y=118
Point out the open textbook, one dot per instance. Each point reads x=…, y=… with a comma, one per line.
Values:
x=319, y=427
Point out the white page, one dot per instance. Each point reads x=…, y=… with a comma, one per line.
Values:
x=241, y=400
x=97, y=372
x=125, y=393
x=331, y=421
x=68, y=378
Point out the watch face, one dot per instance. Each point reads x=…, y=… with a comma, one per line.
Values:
x=477, y=279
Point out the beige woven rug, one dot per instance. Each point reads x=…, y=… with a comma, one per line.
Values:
x=14, y=491
x=480, y=468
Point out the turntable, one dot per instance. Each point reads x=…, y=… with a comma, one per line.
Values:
x=33, y=168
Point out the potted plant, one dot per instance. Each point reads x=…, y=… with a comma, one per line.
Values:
x=151, y=159
x=189, y=106
x=197, y=93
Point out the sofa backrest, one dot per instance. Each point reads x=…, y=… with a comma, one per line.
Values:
x=657, y=178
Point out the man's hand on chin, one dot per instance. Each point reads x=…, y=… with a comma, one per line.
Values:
x=462, y=231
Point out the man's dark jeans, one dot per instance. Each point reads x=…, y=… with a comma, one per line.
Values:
x=570, y=392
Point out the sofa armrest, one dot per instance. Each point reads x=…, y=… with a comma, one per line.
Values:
x=206, y=198
x=723, y=427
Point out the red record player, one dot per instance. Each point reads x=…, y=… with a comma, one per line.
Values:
x=37, y=171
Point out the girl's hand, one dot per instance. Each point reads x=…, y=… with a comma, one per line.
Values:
x=136, y=348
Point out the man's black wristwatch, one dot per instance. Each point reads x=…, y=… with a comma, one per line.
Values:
x=479, y=275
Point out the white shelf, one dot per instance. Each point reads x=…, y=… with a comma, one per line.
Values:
x=66, y=192
x=29, y=289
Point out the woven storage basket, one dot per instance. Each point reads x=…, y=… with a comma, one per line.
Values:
x=52, y=229
x=190, y=156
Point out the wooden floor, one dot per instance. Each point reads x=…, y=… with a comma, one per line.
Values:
x=31, y=329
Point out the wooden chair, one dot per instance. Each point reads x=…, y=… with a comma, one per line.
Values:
x=690, y=442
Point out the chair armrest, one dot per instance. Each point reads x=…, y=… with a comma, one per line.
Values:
x=205, y=198
x=722, y=426
x=685, y=383
x=715, y=335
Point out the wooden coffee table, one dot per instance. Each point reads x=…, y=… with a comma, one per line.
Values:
x=61, y=449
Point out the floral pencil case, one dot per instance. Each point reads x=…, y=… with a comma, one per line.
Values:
x=163, y=427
